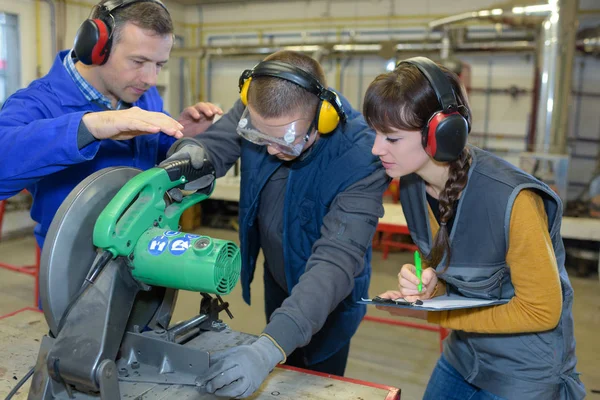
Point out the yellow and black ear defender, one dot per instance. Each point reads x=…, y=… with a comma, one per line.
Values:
x=329, y=111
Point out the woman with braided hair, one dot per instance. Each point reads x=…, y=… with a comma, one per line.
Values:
x=486, y=230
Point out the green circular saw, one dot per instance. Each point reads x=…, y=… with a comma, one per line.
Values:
x=111, y=265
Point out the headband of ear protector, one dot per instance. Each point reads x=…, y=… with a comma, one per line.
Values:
x=445, y=134
x=330, y=110
x=94, y=37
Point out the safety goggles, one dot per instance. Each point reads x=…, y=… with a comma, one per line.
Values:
x=289, y=139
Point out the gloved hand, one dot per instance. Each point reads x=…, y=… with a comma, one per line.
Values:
x=239, y=371
x=188, y=149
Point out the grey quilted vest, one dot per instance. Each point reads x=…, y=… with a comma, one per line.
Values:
x=539, y=365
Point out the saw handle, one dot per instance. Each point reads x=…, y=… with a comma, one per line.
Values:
x=140, y=203
x=178, y=168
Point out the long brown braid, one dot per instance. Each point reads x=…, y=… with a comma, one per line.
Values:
x=457, y=180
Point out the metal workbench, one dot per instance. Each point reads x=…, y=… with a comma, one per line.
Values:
x=20, y=336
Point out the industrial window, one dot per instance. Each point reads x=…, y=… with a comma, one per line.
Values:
x=10, y=57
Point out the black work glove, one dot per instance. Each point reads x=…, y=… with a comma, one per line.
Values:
x=189, y=149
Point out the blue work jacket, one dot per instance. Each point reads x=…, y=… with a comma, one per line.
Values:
x=38, y=143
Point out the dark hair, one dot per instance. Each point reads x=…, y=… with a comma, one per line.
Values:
x=404, y=99
x=273, y=97
x=147, y=15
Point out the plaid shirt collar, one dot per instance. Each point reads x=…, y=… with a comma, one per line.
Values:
x=90, y=92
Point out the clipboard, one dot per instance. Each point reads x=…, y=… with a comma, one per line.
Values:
x=440, y=303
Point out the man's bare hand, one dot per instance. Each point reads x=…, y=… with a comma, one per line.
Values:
x=126, y=124
x=197, y=118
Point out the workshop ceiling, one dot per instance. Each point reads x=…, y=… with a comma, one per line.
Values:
x=204, y=2
x=500, y=4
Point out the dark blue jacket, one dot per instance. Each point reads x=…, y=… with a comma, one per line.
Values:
x=38, y=143
x=336, y=161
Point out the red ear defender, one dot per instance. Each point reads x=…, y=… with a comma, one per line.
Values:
x=92, y=43
x=100, y=49
x=445, y=135
x=94, y=37
x=429, y=142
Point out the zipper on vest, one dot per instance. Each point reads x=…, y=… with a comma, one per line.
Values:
x=501, y=281
x=498, y=275
x=288, y=278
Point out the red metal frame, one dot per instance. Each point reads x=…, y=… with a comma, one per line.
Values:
x=393, y=392
x=386, y=241
x=33, y=270
x=384, y=234
x=393, y=190
x=20, y=311
x=415, y=325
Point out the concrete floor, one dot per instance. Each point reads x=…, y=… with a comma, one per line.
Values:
x=380, y=353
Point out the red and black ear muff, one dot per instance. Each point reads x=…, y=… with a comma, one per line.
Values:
x=445, y=134
x=92, y=42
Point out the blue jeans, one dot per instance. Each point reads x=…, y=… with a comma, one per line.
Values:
x=447, y=384
x=334, y=365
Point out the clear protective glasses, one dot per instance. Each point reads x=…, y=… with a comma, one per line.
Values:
x=289, y=138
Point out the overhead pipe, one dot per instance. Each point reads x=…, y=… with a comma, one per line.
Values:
x=557, y=50
x=454, y=19
x=516, y=14
x=373, y=21
x=556, y=53
x=350, y=48
x=386, y=49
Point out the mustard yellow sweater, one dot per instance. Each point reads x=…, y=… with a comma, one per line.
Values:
x=537, y=303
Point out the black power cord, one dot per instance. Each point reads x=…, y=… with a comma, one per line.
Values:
x=21, y=383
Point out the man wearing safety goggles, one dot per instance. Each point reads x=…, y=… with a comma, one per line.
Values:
x=310, y=198
x=284, y=140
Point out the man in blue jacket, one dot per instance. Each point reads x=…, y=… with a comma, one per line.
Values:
x=310, y=198
x=97, y=107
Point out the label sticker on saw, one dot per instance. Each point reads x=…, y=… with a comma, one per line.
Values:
x=179, y=246
x=191, y=236
x=157, y=245
x=172, y=233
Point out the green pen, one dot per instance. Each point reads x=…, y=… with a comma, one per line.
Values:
x=418, y=269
